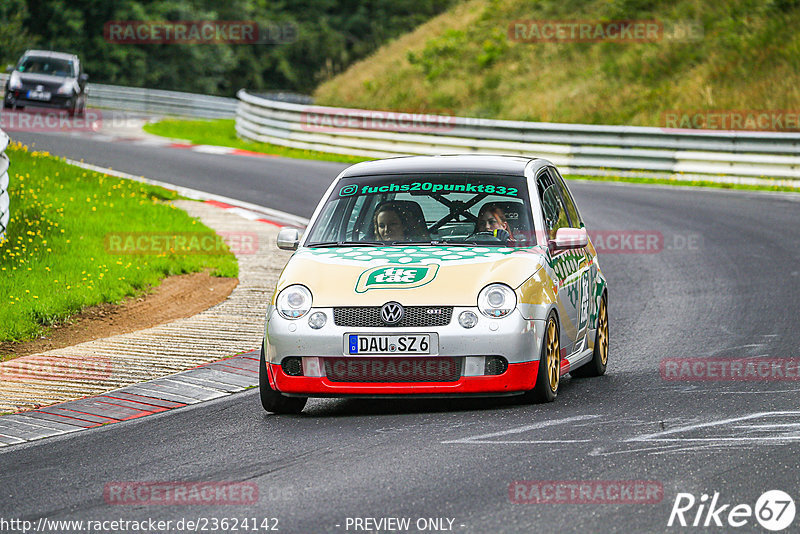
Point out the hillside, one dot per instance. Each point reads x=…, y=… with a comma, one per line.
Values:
x=739, y=55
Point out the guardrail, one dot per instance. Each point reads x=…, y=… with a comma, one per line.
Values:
x=157, y=101
x=5, y=201
x=580, y=149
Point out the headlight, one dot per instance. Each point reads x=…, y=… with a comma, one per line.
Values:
x=66, y=88
x=14, y=82
x=294, y=302
x=497, y=300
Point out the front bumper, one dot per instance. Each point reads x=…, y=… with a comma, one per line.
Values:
x=519, y=377
x=17, y=98
x=514, y=338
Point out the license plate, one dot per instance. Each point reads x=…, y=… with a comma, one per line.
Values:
x=374, y=344
x=38, y=95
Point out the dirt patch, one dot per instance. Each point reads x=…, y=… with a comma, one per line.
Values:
x=177, y=297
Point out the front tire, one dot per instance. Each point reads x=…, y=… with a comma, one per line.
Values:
x=272, y=400
x=597, y=365
x=548, y=376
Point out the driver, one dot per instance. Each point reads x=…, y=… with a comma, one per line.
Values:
x=394, y=221
x=492, y=219
x=388, y=223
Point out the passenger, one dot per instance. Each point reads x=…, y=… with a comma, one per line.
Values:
x=492, y=219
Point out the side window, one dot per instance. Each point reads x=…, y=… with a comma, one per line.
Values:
x=357, y=221
x=555, y=213
x=326, y=222
x=572, y=210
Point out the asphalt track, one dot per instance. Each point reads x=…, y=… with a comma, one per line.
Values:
x=725, y=284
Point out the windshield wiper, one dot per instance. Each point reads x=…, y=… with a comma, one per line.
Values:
x=332, y=244
x=473, y=243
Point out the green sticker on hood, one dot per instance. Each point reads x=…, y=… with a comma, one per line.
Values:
x=396, y=277
x=414, y=254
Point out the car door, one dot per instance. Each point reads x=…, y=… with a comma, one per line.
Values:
x=584, y=266
x=565, y=262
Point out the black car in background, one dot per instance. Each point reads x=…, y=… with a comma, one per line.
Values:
x=47, y=79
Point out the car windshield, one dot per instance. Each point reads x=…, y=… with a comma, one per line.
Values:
x=46, y=65
x=426, y=209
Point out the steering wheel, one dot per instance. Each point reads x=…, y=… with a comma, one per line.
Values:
x=499, y=234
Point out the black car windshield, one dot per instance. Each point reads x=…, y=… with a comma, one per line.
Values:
x=46, y=65
x=426, y=209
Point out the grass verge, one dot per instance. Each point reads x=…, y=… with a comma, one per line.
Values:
x=686, y=183
x=57, y=256
x=221, y=132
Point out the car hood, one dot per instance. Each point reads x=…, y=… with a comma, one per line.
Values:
x=413, y=276
x=30, y=78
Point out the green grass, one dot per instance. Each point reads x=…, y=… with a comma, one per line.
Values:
x=54, y=260
x=745, y=55
x=221, y=132
x=686, y=183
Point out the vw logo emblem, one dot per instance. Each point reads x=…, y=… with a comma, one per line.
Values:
x=392, y=313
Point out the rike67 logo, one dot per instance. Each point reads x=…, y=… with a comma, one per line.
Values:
x=774, y=510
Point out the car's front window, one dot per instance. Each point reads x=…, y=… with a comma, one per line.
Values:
x=426, y=209
x=47, y=65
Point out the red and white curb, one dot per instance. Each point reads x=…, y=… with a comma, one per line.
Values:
x=203, y=383
x=206, y=382
x=219, y=150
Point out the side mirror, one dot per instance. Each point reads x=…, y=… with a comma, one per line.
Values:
x=568, y=238
x=84, y=77
x=288, y=238
x=10, y=69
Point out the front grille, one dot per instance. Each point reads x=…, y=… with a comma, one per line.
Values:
x=414, y=316
x=413, y=369
x=49, y=87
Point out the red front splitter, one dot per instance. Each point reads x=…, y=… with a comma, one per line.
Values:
x=518, y=377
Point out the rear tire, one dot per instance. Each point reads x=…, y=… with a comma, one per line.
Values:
x=548, y=376
x=597, y=365
x=272, y=400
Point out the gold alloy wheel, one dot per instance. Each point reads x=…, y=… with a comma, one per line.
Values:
x=553, y=356
x=602, y=332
